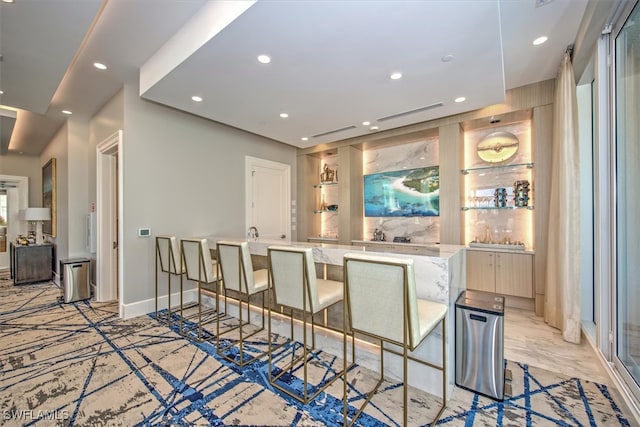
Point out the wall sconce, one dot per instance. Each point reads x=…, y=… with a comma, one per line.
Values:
x=37, y=215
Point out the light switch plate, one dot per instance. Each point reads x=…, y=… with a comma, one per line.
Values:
x=144, y=232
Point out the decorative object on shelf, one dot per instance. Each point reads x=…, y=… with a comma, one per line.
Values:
x=487, y=238
x=49, y=196
x=323, y=205
x=500, y=198
x=497, y=147
x=401, y=239
x=378, y=235
x=519, y=246
x=521, y=193
x=328, y=174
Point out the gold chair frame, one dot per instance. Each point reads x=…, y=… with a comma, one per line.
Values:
x=212, y=313
x=406, y=347
x=242, y=275
x=170, y=269
x=306, y=297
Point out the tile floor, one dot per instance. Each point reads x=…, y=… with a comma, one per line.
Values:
x=528, y=339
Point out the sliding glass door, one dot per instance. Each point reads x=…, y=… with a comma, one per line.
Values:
x=627, y=196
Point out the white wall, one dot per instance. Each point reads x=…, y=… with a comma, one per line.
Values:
x=29, y=166
x=102, y=125
x=78, y=196
x=183, y=176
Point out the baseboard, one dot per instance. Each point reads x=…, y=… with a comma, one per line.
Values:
x=629, y=399
x=140, y=308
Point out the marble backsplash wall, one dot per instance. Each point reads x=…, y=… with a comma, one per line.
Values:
x=406, y=156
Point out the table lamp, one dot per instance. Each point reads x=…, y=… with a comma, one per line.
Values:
x=37, y=215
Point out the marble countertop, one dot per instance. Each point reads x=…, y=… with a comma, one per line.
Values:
x=332, y=253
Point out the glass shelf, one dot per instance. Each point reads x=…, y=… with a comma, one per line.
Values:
x=483, y=168
x=478, y=208
x=324, y=184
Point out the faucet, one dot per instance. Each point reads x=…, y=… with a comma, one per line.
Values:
x=253, y=234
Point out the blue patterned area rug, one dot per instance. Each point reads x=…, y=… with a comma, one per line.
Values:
x=79, y=364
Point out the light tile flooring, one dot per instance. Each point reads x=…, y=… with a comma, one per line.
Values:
x=528, y=339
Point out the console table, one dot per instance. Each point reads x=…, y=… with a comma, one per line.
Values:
x=33, y=263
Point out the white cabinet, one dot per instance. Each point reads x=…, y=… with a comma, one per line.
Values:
x=504, y=273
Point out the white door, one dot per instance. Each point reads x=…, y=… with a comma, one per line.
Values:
x=268, y=191
x=109, y=209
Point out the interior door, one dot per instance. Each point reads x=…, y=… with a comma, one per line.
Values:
x=268, y=198
x=15, y=197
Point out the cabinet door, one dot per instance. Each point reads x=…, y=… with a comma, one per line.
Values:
x=480, y=271
x=514, y=274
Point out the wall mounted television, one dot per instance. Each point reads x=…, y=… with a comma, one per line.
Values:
x=409, y=192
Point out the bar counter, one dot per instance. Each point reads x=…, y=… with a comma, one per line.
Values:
x=439, y=276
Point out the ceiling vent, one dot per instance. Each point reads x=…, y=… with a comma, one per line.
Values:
x=334, y=131
x=406, y=113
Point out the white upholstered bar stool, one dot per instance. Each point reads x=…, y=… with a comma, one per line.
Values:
x=202, y=269
x=236, y=273
x=294, y=285
x=168, y=259
x=381, y=298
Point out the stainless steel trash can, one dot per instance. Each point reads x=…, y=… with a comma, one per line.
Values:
x=74, y=277
x=480, y=343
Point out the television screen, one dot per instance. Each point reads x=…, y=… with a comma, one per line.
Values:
x=409, y=192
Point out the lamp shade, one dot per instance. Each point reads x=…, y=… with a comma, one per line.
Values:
x=37, y=214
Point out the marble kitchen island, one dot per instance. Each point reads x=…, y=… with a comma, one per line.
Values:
x=439, y=276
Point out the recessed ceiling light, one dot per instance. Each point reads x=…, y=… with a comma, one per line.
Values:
x=447, y=58
x=99, y=66
x=67, y=112
x=460, y=99
x=196, y=98
x=1, y=92
x=395, y=76
x=264, y=59
x=8, y=1
x=366, y=123
x=540, y=40
x=304, y=138
x=374, y=128
x=284, y=115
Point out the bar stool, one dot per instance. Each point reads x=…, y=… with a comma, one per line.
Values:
x=236, y=274
x=293, y=284
x=202, y=269
x=167, y=253
x=376, y=285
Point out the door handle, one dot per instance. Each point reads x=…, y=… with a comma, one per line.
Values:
x=115, y=245
x=284, y=236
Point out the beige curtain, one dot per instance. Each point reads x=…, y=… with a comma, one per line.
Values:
x=562, y=296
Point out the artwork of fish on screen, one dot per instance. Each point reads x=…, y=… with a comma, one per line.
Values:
x=409, y=192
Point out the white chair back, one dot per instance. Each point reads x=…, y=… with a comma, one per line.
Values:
x=168, y=251
x=292, y=268
x=236, y=266
x=376, y=293
x=197, y=260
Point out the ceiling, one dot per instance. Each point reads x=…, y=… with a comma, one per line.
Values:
x=330, y=61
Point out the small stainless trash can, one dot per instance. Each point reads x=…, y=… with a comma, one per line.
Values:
x=480, y=343
x=74, y=277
